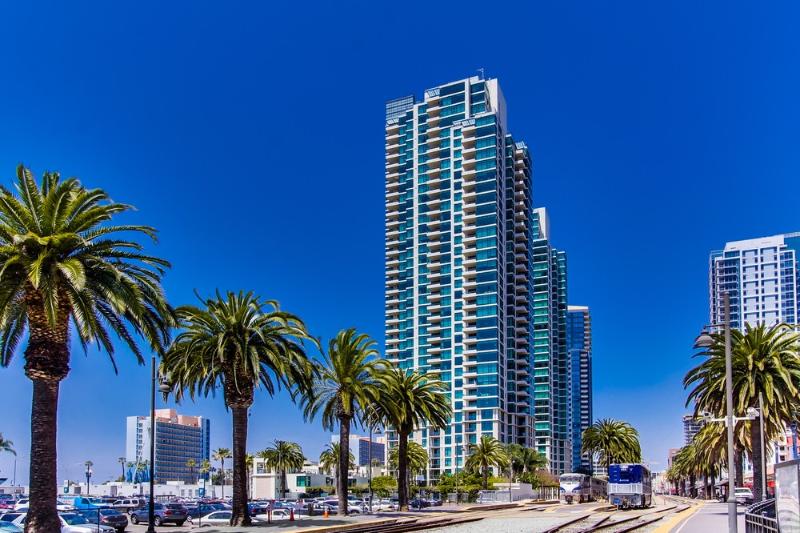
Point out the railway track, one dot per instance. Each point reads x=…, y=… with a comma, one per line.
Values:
x=614, y=523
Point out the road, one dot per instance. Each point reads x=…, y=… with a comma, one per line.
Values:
x=709, y=517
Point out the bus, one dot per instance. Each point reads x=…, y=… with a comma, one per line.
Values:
x=581, y=488
x=629, y=485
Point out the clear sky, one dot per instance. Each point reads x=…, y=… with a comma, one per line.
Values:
x=251, y=135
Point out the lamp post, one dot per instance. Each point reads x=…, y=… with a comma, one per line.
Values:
x=763, y=456
x=163, y=387
x=704, y=340
x=369, y=466
x=89, y=465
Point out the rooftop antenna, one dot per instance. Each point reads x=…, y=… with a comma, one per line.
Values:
x=481, y=70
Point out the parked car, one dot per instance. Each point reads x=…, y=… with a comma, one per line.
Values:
x=9, y=517
x=743, y=495
x=22, y=504
x=194, y=510
x=170, y=513
x=7, y=501
x=383, y=505
x=71, y=523
x=223, y=518
x=434, y=502
x=8, y=527
x=85, y=502
x=108, y=517
x=126, y=505
x=419, y=503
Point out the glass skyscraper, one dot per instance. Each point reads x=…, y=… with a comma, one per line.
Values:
x=579, y=344
x=475, y=294
x=761, y=277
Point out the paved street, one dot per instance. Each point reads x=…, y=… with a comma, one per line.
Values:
x=708, y=518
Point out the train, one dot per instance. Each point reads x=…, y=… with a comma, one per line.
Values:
x=581, y=488
x=629, y=485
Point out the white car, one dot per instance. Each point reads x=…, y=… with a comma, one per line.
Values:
x=222, y=518
x=743, y=495
x=21, y=505
x=383, y=505
x=71, y=523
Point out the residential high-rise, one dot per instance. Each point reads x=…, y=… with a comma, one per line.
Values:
x=360, y=445
x=691, y=427
x=579, y=340
x=178, y=438
x=475, y=294
x=761, y=277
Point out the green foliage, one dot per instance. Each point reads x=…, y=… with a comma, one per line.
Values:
x=384, y=486
x=282, y=456
x=6, y=445
x=524, y=460
x=316, y=492
x=417, y=458
x=329, y=458
x=486, y=454
x=469, y=483
x=614, y=441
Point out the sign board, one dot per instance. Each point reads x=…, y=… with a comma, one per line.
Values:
x=787, y=496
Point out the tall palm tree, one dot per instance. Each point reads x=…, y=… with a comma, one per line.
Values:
x=220, y=454
x=282, y=456
x=765, y=361
x=249, y=461
x=205, y=468
x=238, y=342
x=329, y=458
x=62, y=263
x=486, y=454
x=191, y=464
x=122, y=462
x=407, y=401
x=6, y=445
x=614, y=441
x=345, y=386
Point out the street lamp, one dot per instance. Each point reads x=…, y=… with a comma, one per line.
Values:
x=369, y=466
x=89, y=465
x=164, y=388
x=704, y=340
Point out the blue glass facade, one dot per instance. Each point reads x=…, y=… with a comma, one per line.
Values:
x=460, y=295
x=579, y=345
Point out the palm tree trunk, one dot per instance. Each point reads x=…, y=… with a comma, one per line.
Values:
x=755, y=444
x=42, y=515
x=485, y=476
x=240, y=514
x=402, y=470
x=283, y=483
x=738, y=468
x=343, y=469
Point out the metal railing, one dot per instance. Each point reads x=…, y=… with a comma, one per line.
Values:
x=760, y=518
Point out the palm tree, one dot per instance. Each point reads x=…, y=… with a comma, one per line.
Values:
x=205, y=468
x=238, y=342
x=345, y=386
x=329, y=458
x=524, y=460
x=765, y=361
x=407, y=401
x=61, y=263
x=191, y=464
x=121, y=461
x=220, y=454
x=487, y=453
x=249, y=461
x=614, y=441
x=6, y=445
x=282, y=456
x=417, y=458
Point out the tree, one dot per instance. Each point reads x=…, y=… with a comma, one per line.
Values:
x=122, y=462
x=417, y=458
x=486, y=454
x=329, y=458
x=205, y=468
x=249, y=461
x=613, y=441
x=238, y=342
x=764, y=362
x=6, y=445
x=384, y=486
x=406, y=401
x=220, y=454
x=524, y=460
x=282, y=456
x=64, y=266
x=346, y=384
x=191, y=464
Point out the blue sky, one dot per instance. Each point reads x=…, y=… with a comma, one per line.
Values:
x=251, y=135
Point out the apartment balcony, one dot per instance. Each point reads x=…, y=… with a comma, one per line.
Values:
x=392, y=341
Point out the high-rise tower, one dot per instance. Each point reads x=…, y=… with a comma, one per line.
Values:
x=579, y=344
x=460, y=270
